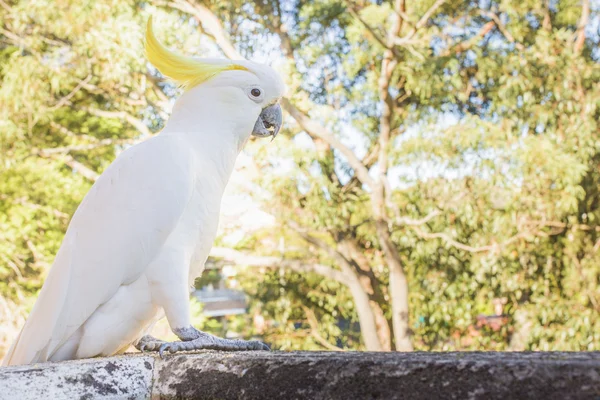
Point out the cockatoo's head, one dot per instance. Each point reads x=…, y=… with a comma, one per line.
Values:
x=244, y=85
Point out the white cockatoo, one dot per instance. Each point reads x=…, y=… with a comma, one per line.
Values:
x=144, y=231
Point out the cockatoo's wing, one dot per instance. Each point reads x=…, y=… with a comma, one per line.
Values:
x=115, y=233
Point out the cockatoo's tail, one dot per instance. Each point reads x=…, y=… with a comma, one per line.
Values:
x=141, y=235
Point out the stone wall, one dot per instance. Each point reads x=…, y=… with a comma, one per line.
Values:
x=311, y=375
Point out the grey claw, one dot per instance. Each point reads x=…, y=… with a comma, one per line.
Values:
x=260, y=346
x=162, y=349
x=143, y=348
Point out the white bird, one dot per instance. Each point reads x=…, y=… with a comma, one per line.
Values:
x=144, y=231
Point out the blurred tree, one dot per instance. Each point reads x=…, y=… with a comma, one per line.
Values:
x=443, y=159
x=452, y=145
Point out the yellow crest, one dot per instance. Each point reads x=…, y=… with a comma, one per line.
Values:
x=186, y=71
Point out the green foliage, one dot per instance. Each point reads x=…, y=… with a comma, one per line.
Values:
x=295, y=303
x=496, y=136
x=501, y=140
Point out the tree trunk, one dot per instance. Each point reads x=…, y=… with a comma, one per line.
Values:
x=399, y=295
x=366, y=317
x=350, y=249
x=383, y=328
x=398, y=290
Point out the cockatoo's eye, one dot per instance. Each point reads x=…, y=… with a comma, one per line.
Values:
x=255, y=94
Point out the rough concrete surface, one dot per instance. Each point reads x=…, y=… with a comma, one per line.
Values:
x=102, y=378
x=312, y=375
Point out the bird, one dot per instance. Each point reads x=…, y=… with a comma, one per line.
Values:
x=141, y=235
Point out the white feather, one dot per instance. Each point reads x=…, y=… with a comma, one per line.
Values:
x=143, y=232
x=118, y=229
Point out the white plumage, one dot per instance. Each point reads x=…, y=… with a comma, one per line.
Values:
x=143, y=232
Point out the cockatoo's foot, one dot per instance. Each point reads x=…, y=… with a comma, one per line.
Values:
x=148, y=343
x=193, y=339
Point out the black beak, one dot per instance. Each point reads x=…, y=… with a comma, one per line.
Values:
x=269, y=122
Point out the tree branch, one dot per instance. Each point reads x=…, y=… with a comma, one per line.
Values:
x=313, y=128
x=333, y=253
x=275, y=22
x=428, y=14
x=210, y=24
x=563, y=226
x=388, y=66
x=467, y=44
x=503, y=29
x=371, y=31
x=84, y=147
x=5, y=6
x=314, y=330
x=422, y=21
x=68, y=97
x=65, y=131
x=368, y=161
x=362, y=300
x=249, y=260
x=79, y=168
x=417, y=222
x=385, y=121
x=130, y=119
x=547, y=21
x=491, y=247
x=585, y=16
x=16, y=39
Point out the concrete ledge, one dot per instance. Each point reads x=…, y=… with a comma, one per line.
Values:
x=311, y=375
